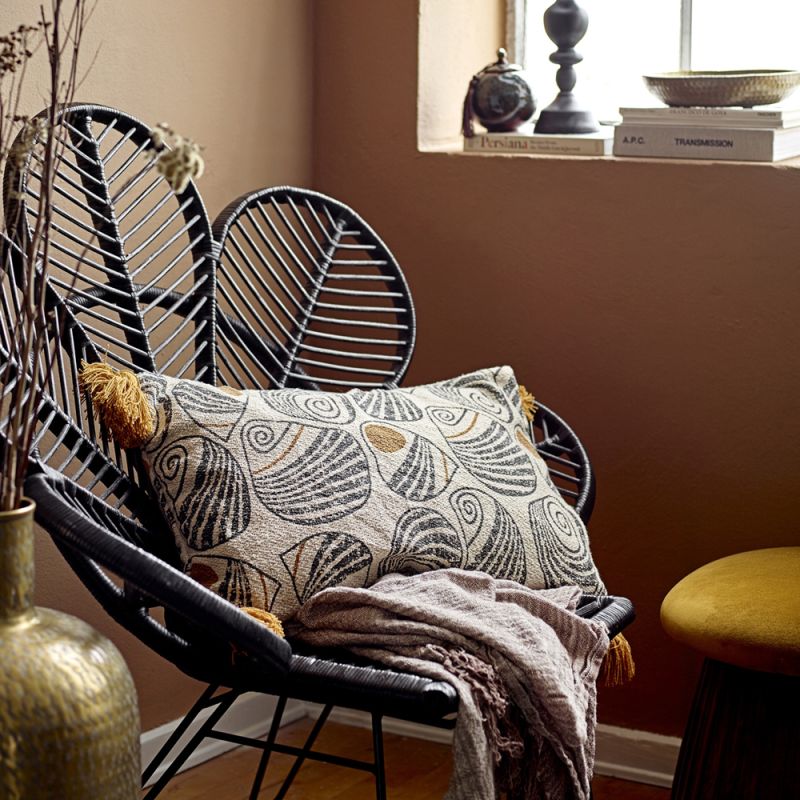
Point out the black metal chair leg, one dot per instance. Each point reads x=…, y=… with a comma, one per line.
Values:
x=308, y=744
x=377, y=749
x=226, y=701
x=188, y=719
x=264, y=760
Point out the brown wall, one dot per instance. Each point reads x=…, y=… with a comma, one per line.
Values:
x=654, y=304
x=237, y=78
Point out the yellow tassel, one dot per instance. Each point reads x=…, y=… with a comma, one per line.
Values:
x=618, y=666
x=265, y=618
x=120, y=401
x=528, y=402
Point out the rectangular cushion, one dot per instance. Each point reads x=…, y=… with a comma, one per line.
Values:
x=274, y=495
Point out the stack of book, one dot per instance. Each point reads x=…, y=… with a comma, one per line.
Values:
x=731, y=134
x=525, y=141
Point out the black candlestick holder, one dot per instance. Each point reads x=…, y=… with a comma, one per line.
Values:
x=565, y=23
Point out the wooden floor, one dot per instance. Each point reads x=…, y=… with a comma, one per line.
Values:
x=416, y=770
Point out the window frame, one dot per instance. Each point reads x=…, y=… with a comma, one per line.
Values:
x=517, y=21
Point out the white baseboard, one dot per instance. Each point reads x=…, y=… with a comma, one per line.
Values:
x=250, y=715
x=638, y=756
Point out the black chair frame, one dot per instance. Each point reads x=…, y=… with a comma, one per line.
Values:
x=288, y=288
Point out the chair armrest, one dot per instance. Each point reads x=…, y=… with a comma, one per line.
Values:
x=153, y=577
x=616, y=613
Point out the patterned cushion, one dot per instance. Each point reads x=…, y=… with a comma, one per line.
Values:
x=275, y=495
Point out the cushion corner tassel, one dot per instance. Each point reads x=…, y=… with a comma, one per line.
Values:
x=528, y=403
x=265, y=618
x=120, y=401
x=618, y=667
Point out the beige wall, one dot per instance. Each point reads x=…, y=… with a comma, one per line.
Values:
x=653, y=304
x=237, y=78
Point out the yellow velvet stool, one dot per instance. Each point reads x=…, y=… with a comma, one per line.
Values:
x=742, y=740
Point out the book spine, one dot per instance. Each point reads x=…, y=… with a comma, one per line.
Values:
x=661, y=141
x=706, y=122
x=485, y=143
x=702, y=122
x=708, y=116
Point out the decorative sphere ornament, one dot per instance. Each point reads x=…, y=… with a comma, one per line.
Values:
x=499, y=97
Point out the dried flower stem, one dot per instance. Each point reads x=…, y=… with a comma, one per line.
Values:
x=28, y=364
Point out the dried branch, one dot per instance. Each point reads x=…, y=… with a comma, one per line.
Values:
x=30, y=332
x=27, y=363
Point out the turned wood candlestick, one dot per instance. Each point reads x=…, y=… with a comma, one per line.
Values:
x=565, y=23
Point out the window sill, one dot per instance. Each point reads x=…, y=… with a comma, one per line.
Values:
x=455, y=148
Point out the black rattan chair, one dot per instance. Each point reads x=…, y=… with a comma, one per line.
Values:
x=287, y=288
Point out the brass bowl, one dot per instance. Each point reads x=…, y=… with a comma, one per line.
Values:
x=755, y=87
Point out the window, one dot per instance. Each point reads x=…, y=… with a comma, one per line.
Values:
x=630, y=38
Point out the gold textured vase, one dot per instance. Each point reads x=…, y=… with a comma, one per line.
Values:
x=69, y=721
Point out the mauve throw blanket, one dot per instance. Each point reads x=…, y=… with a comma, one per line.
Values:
x=523, y=664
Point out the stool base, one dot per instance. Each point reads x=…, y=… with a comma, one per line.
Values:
x=742, y=737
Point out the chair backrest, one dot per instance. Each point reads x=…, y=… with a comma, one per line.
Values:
x=295, y=290
x=130, y=281
x=288, y=288
x=325, y=302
